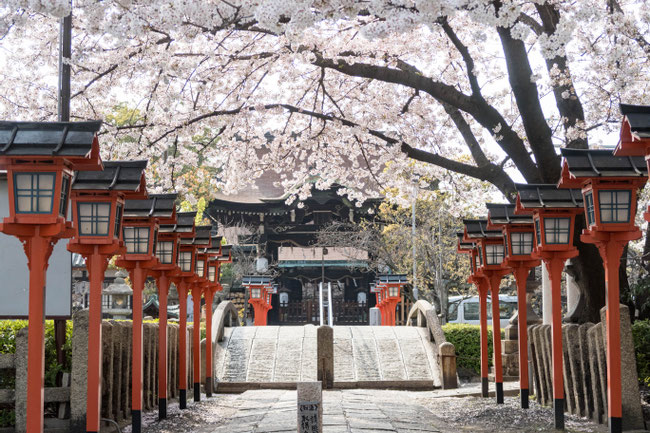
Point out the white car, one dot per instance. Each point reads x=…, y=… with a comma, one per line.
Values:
x=466, y=309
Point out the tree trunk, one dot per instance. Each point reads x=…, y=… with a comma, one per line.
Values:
x=589, y=274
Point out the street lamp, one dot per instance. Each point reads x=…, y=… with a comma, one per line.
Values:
x=553, y=211
x=609, y=186
x=518, y=235
x=491, y=253
x=40, y=158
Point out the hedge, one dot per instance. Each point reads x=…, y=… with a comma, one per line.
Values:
x=467, y=342
x=641, y=336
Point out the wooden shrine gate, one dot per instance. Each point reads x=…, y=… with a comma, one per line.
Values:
x=306, y=312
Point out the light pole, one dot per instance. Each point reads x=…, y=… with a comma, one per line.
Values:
x=415, y=272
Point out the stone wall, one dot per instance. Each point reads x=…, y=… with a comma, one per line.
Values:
x=585, y=370
x=117, y=365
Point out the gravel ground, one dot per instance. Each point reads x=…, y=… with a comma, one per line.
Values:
x=443, y=414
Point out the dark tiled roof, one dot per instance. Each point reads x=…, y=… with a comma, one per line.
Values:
x=392, y=279
x=47, y=138
x=215, y=246
x=548, y=196
x=184, y=223
x=225, y=252
x=461, y=243
x=157, y=205
x=255, y=280
x=202, y=236
x=116, y=176
x=638, y=116
x=504, y=213
x=478, y=229
x=603, y=163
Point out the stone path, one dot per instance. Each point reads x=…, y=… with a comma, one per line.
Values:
x=361, y=353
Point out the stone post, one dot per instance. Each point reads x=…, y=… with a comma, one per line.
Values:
x=79, y=372
x=310, y=407
x=325, y=356
x=375, y=316
x=21, y=381
x=447, y=354
x=546, y=297
x=572, y=293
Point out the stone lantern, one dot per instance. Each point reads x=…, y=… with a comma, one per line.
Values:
x=119, y=296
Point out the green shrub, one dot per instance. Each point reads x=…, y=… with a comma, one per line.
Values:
x=641, y=336
x=467, y=342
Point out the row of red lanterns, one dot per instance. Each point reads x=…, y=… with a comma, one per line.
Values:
x=388, y=291
x=260, y=290
x=600, y=184
x=50, y=165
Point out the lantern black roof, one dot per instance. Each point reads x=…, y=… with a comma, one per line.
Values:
x=255, y=280
x=548, y=196
x=157, y=205
x=478, y=229
x=504, y=213
x=603, y=163
x=116, y=176
x=215, y=245
x=225, y=252
x=463, y=244
x=47, y=138
x=392, y=278
x=184, y=223
x=202, y=236
x=638, y=116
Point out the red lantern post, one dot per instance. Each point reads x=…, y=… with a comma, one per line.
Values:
x=518, y=236
x=257, y=289
x=609, y=186
x=97, y=207
x=140, y=232
x=40, y=158
x=553, y=212
x=492, y=252
x=392, y=285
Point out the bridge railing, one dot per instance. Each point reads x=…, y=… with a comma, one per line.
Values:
x=225, y=315
x=425, y=315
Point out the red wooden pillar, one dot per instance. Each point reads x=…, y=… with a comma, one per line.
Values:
x=481, y=285
x=521, y=275
x=182, y=344
x=39, y=249
x=196, y=340
x=163, y=292
x=494, y=279
x=96, y=264
x=138, y=276
x=209, y=297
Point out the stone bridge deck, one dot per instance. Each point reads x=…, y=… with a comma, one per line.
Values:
x=379, y=356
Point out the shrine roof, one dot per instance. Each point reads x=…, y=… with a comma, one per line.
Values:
x=116, y=176
x=602, y=163
x=478, y=229
x=504, y=213
x=157, y=205
x=638, y=116
x=548, y=196
x=47, y=138
x=184, y=223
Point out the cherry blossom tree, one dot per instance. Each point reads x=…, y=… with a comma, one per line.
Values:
x=351, y=91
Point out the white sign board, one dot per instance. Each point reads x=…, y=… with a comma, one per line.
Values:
x=15, y=275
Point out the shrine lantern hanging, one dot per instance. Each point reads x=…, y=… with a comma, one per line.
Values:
x=489, y=243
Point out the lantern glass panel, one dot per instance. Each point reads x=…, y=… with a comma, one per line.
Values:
x=480, y=257
x=65, y=190
x=256, y=293
x=136, y=240
x=522, y=243
x=165, y=252
x=212, y=273
x=393, y=291
x=556, y=230
x=589, y=208
x=200, y=266
x=34, y=192
x=185, y=261
x=477, y=263
x=538, y=232
x=94, y=218
x=505, y=243
x=494, y=254
x=118, y=219
x=614, y=206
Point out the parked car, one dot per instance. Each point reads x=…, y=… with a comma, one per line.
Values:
x=466, y=309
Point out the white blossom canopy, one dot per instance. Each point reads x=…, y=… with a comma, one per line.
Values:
x=367, y=94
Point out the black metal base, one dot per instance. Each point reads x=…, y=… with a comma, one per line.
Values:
x=136, y=421
x=499, y=387
x=524, y=398
x=615, y=424
x=162, y=408
x=208, y=386
x=197, y=392
x=182, y=398
x=484, y=387
x=558, y=406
